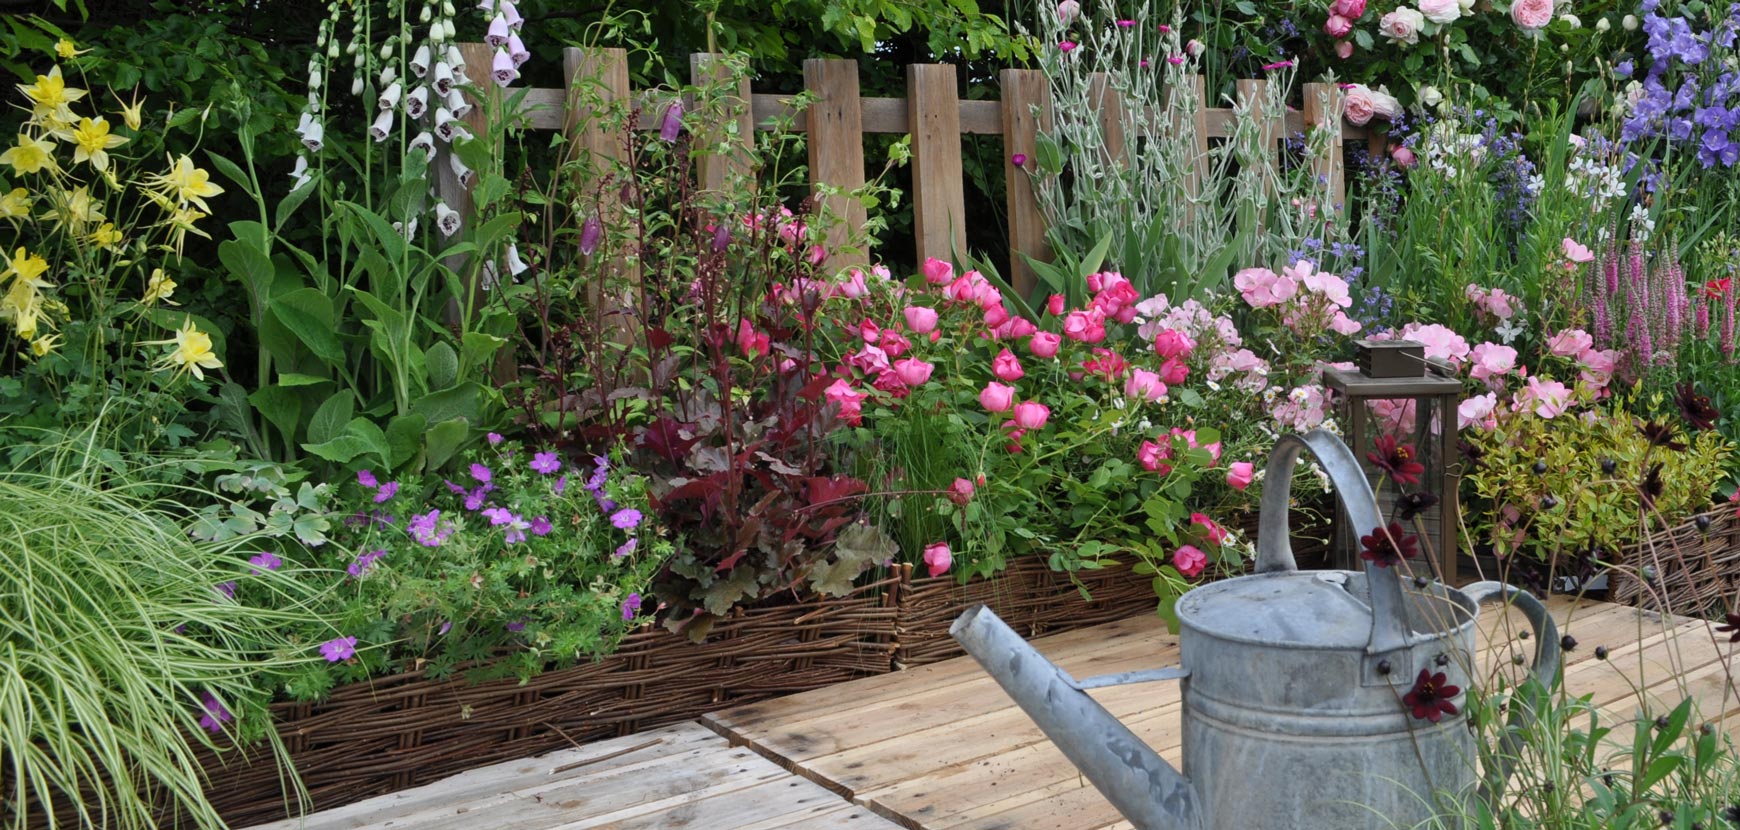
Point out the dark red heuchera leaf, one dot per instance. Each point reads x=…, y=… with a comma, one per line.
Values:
x=1387, y=546
x=658, y=338
x=1397, y=460
x=666, y=438
x=1430, y=698
x=825, y=490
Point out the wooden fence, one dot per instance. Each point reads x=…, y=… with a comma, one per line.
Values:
x=933, y=113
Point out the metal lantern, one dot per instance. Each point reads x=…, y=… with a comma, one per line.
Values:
x=1396, y=371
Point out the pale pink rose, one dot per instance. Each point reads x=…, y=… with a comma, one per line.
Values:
x=1570, y=343
x=1350, y=9
x=1530, y=15
x=1330, y=286
x=938, y=558
x=1263, y=288
x=1394, y=417
x=1477, y=412
x=1441, y=12
x=1343, y=324
x=1404, y=157
x=1344, y=49
x=1337, y=26
x=1044, y=344
x=1145, y=385
x=1189, y=561
x=1031, y=415
x=1440, y=341
x=1402, y=26
x=1067, y=11
x=1357, y=106
x=937, y=272
x=997, y=397
x=1548, y=399
x=1239, y=474
x=854, y=287
x=1576, y=252
x=1007, y=367
x=920, y=319
x=1492, y=361
x=1597, y=366
x=1385, y=105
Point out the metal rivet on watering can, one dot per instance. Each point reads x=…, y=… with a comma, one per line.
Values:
x=1294, y=678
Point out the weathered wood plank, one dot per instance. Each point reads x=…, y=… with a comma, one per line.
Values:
x=728, y=142
x=1026, y=113
x=938, y=194
x=1323, y=112
x=836, y=150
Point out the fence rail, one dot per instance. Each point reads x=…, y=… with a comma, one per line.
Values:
x=933, y=113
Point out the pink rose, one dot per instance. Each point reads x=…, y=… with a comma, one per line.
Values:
x=1054, y=305
x=1477, y=412
x=920, y=319
x=1440, y=341
x=1173, y=371
x=1172, y=343
x=1006, y=367
x=1262, y=288
x=996, y=316
x=938, y=558
x=912, y=371
x=997, y=397
x=1337, y=26
x=937, y=272
x=1597, y=366
x=1548, y=400
x=1044, y=344
x=1239, y=474
x=1441, y=12
x=1151, y=456
x=1576, y=252
x=961, y=491
x=1145, y=385
x=894, y=344
x=1492, y=361
x=1342, y=324
x=1402, y=25
x=1189, y=561
x=1570, y=343
x=1344, y=49
x=1404, y=157
x=1215, y=532
x=1530, y=15
x=1357, y=105
x=1031, y=415
x=1350, y=9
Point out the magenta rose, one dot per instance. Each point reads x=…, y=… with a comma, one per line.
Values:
x=1337, y=26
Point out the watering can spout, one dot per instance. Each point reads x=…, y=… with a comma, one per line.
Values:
x=1132, y=776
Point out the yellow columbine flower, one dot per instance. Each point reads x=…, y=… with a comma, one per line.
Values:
x=15, y=205
x=92, y=142
x=31, y=155
x=186, y=183
x=41, y=346
x=23, y=306
x=67, y=50
x=132, y=114
x=192, y=352
x=50, y=97
x=77, y=208
x=27, y=267
x=107, y=236
x=159, y=288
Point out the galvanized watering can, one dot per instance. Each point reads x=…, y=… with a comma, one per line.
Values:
x=1293, y=687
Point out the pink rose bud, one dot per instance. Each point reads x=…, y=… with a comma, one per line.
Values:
x=961, y=491
x=1404, y=157
x=1031, y=415
x=1007, y=367
x=997, y=397
x=938, y=558
x=912, y=371
x=1239, y=474
x=1054, y=304
x=996, y=316
x=920, y=319
x=1344, y=49
x=1173, y=371
x=937, y=272
x=1171, y=343
x=1066, y=47
x=1044, y=344
x=1351, y=9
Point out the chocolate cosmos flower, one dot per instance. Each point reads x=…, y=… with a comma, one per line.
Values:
x=1695, y=408
x=1387, y=546
x=1732, y=629
x=1397, y=460
x=1651, y=488
x=1660, y=435
x=1413, y=504
x=1430, y=698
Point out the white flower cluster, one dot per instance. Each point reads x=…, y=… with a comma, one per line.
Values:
x=418, y=84
x=1600, y=182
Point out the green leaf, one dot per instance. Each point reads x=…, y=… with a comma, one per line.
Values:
x=295, y=379
x=1189, y=397
x=443, y=366
x=232, y=172
x=307, y=313
x=341, y=450
x=392, y=245
x=404, y=438
x=329, y=420
x=281, y=407
x=443, y=441
x=184, y=117
x=248, y=259
x=287, y=207
x=462, y=401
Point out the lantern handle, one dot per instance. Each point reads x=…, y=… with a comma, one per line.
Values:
x=1274, y=537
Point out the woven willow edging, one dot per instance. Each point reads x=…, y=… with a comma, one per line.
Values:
x=1697, y=572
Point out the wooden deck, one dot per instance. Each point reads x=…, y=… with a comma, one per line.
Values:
x=941, y=746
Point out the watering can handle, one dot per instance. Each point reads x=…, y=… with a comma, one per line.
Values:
x=1274, y=537
x=1546, y=632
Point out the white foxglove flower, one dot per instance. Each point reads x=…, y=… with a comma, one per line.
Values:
x=425, y=15
x=446, y=219
x=389, y=75
x=382, y=127
x=303, y=122
x=452, y=30
x=425, y=142
x=314, y=78
x=513, y=15
x=447, y=8
x=299, y=174
x=453, y=131
x=313, y=103
x=517, y=49
x=515, y=265
x=437, y=33
x=405, y=232
x=498, y=32
x=390, y=98
x=457, y=104
x=489, y=277
x=455, y=57
x=387, y=49
x=465, y=174
x=503, y=71
x=313, y=136
x=443, y=120
x=420, y=61
x=443, y=78
x=356, y=84
x=417, y=102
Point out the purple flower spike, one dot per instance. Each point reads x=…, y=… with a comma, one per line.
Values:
x=545, y=463
x=625, y=518
x=338, y=650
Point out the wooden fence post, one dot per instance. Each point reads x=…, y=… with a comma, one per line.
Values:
x=1103, y=95
x=1323, y=112
x=1197, y=175
x=939, y=204
x=724, y=154
x=1026, y=111
x=836, y=150
x=599, y=75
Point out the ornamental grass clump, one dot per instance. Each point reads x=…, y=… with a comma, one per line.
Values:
x=128, y=651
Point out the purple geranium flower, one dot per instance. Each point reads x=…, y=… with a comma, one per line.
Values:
x=560, y=485
x=541, y=526
x=366, y=478
x=481, y=473
x=215, y=714
x=625, y=518
x=626, y=548
x=474, y=499
x=265, y=561
x=338, y=650
x=426, y=530
x=631, y=606
x=387, y=492
x=546, y=463
x=494, y=438
x=498, y=516
x=364, y=562
x=516, y=529
x=228, y=589
x=517, y=626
